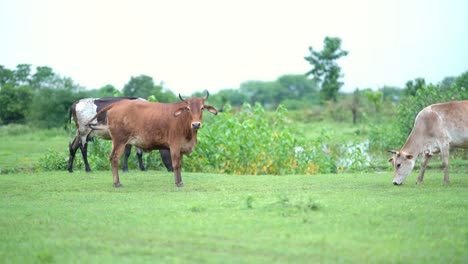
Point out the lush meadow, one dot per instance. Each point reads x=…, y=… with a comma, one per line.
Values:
x=261, y=187
x=58, y=217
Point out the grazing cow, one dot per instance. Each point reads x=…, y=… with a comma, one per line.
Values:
x=81, y=111
x=437, y=128
x=151, y=126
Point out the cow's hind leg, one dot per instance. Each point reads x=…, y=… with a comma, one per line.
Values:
x=139, y=154
x=426, y=159
x=115, y=155
x=73, y=147
x=128, y=150
x=444, y=154
x=84, y=153
x=166, y=158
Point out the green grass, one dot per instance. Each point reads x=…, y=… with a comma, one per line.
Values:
x=21, y=147
x=58, y=217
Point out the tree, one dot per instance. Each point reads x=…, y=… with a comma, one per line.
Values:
x=14, y=102
x=43, y=78
x=462, y=81
x=325, y=69
x=22, y=73
x=141, y=86
x=375, y=98
x=413, y=86
x=6, y=76
x=107, y=90
x=355, y=104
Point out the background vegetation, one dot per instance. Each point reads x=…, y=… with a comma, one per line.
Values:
x=322, y=193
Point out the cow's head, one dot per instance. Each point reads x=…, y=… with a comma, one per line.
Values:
x=194, y=107
x=402, y=166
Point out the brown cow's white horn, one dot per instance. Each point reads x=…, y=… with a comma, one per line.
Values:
x=207, y=94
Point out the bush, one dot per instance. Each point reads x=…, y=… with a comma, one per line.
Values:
x=253, y=142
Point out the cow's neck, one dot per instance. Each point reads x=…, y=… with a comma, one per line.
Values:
x=414, y=144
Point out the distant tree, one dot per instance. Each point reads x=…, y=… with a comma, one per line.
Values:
x=447, y=82
x=376, y=98
x=22, y=74
x=14, y=103
x=413, y=86
x=232, y=96
x=390, y=93
x=462, y=81
x=50, y=107
x=355, y=104
x=325, y=69
x=6, y=76
x=297, y=86
x=43, y=78
x=140, y=86
x=107, y=90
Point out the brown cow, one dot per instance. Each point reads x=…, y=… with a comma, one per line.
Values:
x=151, y=126
x=437, y=128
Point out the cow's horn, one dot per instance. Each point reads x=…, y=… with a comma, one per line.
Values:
x=182, y=99
x=207, y=94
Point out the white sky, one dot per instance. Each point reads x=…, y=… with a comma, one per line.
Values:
x=208, y=44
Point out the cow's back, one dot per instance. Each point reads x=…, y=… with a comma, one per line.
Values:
x=452, y=119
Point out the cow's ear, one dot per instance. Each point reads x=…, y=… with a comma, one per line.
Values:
x=179, y=111
x=409, y=156
x=390, y=160
x=211, y=109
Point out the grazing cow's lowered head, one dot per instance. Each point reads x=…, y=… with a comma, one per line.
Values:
x=403, y=164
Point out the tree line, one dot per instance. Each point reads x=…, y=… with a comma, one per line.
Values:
x=42, y=98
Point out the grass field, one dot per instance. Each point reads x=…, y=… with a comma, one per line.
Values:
x=58, y=217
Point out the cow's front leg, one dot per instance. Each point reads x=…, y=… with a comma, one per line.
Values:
x=426, y=159
x=176, y=157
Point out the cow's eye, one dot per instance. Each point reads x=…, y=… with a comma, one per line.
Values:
x=203, y=108
x=398, y=165
x=187, y=109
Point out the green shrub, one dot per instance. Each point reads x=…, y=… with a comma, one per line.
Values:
x=54, y=160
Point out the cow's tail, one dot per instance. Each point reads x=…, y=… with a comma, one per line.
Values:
x=69, y=125
x=95, y=126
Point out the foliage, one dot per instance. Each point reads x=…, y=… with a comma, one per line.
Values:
x=14, y=103
x=143, y=86
x=54, y=160
x=253, y=141
x=424, y=96
x=325, y=69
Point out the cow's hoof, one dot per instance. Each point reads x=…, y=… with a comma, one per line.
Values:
x=180, y=184
x=117, y=185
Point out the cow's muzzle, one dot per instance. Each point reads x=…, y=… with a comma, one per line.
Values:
x=396, y=183
x=196, y=125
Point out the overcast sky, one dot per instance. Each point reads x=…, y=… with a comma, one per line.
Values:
x=204, y=44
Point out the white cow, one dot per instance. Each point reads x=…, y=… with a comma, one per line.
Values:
x=437, y=128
